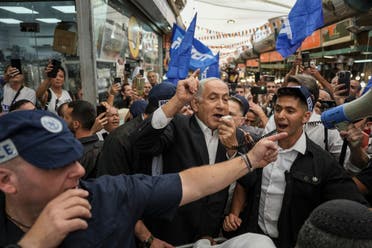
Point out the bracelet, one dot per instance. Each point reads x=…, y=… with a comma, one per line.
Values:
x=147, y=243
x=247, y=162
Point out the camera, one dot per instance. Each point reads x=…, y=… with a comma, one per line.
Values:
x=258, y=90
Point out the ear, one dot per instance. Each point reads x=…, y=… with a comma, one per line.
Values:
x=75, y=125
x=6, y=182
x=194, y=104
x=306, y=117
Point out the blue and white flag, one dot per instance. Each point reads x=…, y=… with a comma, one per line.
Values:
x=178, y=67
x=201, y=56
x=305, y=17
x=212, y=70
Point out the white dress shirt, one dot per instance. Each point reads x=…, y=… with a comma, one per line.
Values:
x=160, y=120
x=273, y=187
x=316, y=134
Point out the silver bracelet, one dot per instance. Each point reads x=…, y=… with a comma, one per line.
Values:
x=247, y=162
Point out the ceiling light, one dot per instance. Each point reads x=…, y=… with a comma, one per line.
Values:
x=328, y=57
x=231, y=21
x=357, y=78
x=10, y=21
x=366, y=53
x=69, y=9
x=48, y=20
x=19, y=10
x=363, y=61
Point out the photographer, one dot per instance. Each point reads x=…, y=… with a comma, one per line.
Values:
x=15, y=90
x=50, y=93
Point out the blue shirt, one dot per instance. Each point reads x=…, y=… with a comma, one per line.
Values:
x=117, y=203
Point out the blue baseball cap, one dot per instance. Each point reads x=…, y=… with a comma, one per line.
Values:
x=39, y=137
x=243, y=102
x=138, y=107
x=161, y=93
x=301, y=91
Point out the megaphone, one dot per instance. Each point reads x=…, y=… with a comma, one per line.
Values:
x=348, y=112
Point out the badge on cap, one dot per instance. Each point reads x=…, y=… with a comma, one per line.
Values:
x=8, y=150
x=51, y=124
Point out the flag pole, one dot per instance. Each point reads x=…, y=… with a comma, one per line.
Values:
x=298, y=58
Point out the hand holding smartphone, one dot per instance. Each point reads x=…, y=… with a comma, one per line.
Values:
x=16, y=63
x=53, y=73
x=100, y=109
x=344, y=78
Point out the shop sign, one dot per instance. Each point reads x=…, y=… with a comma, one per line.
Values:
x=270, y=57
x=134, y=37
x=251, y=63
x=336, y=33
x=312, y=41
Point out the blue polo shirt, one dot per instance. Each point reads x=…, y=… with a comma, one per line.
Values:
x=117, y=203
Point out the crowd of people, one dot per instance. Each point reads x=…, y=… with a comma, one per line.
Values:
x=187, y=164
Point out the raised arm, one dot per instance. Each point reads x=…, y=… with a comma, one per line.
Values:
x=186, y=89
x=200, y=181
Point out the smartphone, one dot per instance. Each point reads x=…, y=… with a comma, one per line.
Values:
x=258, y=90
x=324, y=105
x=267, y=78
x=138, y=84
x=117, y=80
x=127, y=67
x=17, y=64
x=100, y=109
x=305, y=60
x=53, y=73
x=142, y=72
x=344, y=78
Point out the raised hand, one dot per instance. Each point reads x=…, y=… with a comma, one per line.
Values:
x=66, y=213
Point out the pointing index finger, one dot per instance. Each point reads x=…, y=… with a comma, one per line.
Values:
x=278, y=136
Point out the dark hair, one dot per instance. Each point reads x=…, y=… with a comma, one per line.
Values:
x=123, y=86
x=84, y=112
x=63, y=70
x=237, y=100
x=16, y=105
x=59, y=109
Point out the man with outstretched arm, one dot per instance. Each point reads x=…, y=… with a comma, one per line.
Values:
x=43, y=202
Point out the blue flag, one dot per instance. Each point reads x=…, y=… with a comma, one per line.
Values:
x=305, y=17
x=178, y=67
x=201, y=56
x=212, y=70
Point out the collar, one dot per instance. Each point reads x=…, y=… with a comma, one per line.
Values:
x=89, y=139
x=299, y=146
x=204, y=128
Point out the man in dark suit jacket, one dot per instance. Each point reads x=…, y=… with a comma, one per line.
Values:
x=204, y=138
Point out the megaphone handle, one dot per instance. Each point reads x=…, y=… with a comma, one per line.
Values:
x=343, y=153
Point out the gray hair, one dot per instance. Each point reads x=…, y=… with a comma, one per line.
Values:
x=202, y=86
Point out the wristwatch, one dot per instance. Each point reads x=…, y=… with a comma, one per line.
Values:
x=147, y=243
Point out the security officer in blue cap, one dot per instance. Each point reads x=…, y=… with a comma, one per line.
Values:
x=43, y=202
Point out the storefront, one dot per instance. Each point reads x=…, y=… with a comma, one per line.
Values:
x=93, y=39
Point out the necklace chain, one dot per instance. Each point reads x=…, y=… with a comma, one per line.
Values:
x=18, y=223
